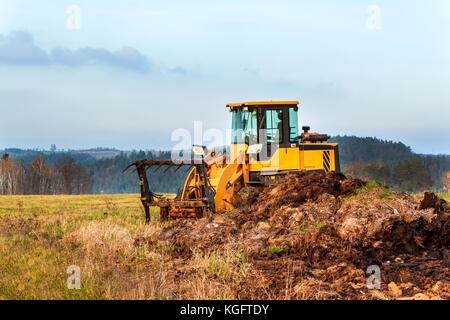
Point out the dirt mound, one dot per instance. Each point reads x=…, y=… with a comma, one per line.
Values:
x=313, y=236
x=300, y=187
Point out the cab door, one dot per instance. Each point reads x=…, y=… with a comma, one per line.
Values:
x=272, y=131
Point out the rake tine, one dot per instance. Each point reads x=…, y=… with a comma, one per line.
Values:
x=168, y=167
x=128, y=167
x=148, y=167
x=156, y=163
x=178, y=167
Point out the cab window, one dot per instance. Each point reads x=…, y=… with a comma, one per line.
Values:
x=274, y=126
x=244, y=127
x=293, y=125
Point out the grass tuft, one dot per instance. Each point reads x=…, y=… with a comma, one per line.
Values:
x=373, y=185
x=319, y=225
x=445, y=196
x=278, y=250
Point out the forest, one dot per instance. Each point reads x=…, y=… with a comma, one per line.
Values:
x=393, y=164
x=38, y=177
x=101, y=170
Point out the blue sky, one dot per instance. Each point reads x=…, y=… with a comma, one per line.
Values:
x=137, y=70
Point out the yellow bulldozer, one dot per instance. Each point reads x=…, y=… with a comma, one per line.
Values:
x=266, y=144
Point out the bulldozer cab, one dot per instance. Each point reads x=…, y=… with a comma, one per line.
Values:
x=269, y=124
x=272, y=128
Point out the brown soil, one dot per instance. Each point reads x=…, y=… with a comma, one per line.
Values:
x=313, y=236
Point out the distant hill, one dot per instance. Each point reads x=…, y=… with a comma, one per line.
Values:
x=353, y=149
x=98, y=153
x=80, y=156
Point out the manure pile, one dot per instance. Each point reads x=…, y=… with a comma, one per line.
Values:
x=313, y=236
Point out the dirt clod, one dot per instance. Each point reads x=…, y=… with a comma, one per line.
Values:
x=394, y=290
x=431, y=200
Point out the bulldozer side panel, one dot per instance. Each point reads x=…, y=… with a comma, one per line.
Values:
x=314, y=156
x=283, y=159
x=319, y=156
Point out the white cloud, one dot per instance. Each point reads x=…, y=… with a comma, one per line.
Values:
x=19, y=48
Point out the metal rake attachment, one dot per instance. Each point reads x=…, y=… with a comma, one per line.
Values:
x=195, y=200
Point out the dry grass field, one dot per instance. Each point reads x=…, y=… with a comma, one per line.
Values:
x=40, y=236
x=105, y=235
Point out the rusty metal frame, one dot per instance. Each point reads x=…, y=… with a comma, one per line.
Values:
x=149, y=198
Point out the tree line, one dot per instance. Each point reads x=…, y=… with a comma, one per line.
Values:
x=405, y=175
x=446, y=182
x=393, y=164
x=39, y=177
x=73, y=172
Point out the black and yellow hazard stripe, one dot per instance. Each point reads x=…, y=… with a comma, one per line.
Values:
x=326, y=160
